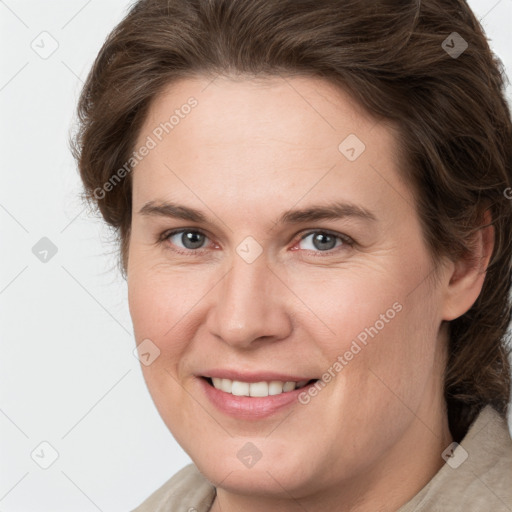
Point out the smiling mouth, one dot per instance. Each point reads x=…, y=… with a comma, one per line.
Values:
x=256, y=389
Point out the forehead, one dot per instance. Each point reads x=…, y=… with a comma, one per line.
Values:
x=300, y=110
x=288, y=136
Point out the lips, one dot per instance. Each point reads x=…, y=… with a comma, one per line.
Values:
x=246, y=407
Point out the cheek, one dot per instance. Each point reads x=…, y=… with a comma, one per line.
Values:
x=373, y=324
x=347, y=305
x=155, y=314
x=389, y=353
x=145, y=308
x=159, y=313
x=166, y=307
x=159, y=300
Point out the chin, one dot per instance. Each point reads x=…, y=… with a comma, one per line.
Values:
x=267, y=476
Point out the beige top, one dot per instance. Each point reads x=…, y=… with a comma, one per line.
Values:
x=477, y=477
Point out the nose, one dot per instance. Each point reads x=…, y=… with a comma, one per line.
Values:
x=250, y=305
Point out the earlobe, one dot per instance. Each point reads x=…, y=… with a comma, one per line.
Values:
x=469, y=273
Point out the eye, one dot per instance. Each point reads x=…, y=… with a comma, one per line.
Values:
x=186, y=239
x=324, y=241
x=192, y=241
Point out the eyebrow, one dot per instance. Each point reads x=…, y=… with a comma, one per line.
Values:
x=332, y=211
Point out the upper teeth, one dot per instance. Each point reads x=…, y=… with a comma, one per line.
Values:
x=238, y=388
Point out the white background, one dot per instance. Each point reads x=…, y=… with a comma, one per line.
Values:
x=68, y=375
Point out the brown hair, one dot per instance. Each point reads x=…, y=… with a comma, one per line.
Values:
x=396, y=58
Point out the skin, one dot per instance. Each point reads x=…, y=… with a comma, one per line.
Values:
x=249, y=151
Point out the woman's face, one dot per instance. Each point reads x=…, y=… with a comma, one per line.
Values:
x=297, y=255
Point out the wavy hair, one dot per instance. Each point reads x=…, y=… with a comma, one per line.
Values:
x=405, y=62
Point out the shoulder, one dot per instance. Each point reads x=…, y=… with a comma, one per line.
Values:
x=477, y=476
x=188, y=490
x=489, y=462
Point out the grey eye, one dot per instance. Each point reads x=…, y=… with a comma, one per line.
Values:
x=321, y=241
x=188, y=239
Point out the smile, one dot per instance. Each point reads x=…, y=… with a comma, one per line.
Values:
x=252, y=400
x=256, y=389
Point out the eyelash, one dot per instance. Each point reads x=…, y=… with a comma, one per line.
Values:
x=346, y=241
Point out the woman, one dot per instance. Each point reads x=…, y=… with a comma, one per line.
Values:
x=226, y=141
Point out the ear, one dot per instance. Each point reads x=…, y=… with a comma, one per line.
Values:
x=468, y=274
